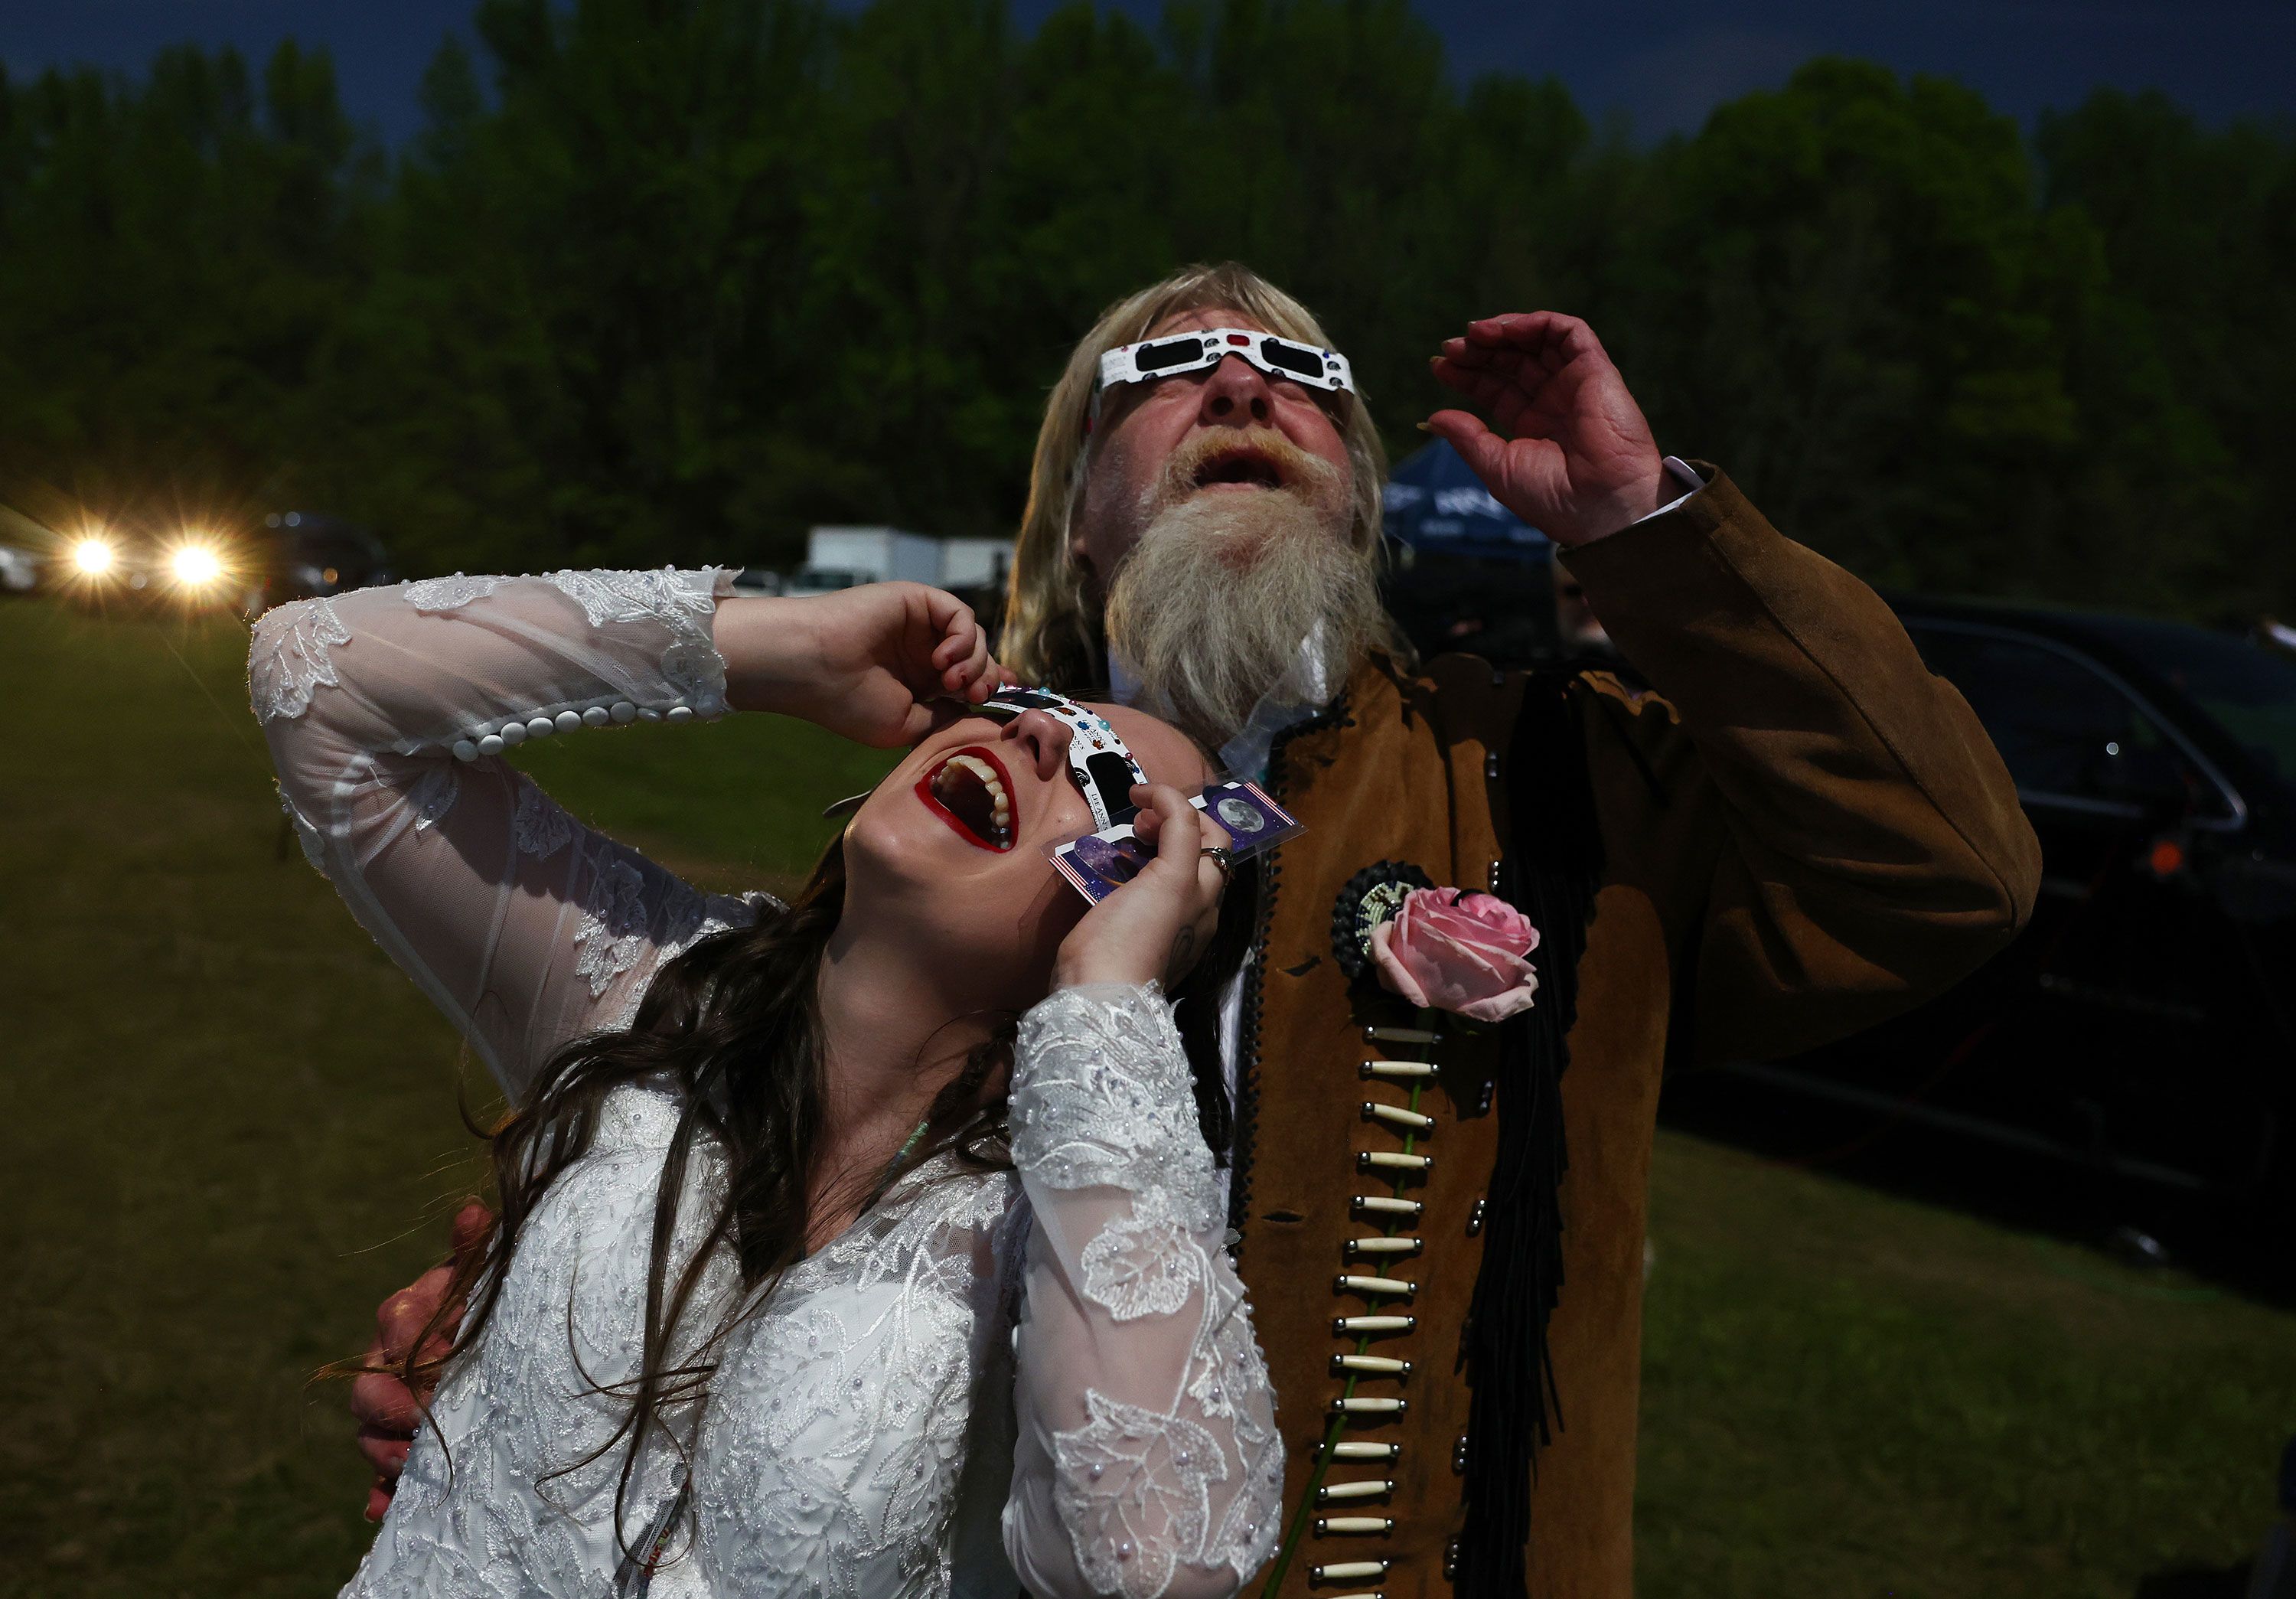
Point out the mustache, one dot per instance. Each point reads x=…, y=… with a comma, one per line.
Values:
x=1254, y=454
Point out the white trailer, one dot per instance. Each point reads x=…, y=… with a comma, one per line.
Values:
x=975, y=562
x=841, y=557
x=873, y=554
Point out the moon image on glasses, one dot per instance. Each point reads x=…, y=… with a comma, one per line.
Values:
x=1240, y=816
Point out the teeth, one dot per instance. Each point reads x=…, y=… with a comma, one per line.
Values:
x=1000, y=802
x=988, y=779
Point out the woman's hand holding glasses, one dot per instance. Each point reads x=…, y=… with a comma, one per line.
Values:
x=1157, y=926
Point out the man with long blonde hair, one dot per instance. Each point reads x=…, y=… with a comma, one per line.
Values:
x=1798, y=833
x=1808, y=832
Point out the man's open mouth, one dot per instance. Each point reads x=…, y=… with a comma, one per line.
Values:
x=972, y=791
x=1245, y=466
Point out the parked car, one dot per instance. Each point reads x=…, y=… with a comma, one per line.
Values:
x=2146, y=1021
x=306, y=556
x=19, y=570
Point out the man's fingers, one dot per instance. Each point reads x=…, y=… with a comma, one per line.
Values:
x=386, y=1452
x=378, y=1499
x=381, y=1403
x=1549, y=335
x=401, y=1317
x=470, y=1226
x=1491, y=390
x=1484, y=451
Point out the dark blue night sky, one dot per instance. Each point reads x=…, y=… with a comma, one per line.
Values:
x=1664, y=64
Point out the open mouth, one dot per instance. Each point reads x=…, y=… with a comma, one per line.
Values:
x=1244, y=467
x=971, y=790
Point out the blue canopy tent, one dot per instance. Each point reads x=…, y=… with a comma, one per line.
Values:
x=1436, y=505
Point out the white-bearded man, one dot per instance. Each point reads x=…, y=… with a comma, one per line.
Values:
x=1800, y=831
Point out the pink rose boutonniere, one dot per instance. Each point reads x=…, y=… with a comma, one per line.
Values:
x=1467, y=953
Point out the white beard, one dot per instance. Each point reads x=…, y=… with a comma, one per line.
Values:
x=1211, y=609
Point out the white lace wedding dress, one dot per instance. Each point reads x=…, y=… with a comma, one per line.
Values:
x=1044, y=1379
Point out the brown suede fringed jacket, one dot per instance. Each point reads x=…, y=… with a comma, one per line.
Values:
x=1800, y=832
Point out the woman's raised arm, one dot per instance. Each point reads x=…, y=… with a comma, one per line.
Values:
x=386, y=710
x=1147, y=1463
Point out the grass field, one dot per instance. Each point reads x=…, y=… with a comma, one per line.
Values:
x=228, y=1128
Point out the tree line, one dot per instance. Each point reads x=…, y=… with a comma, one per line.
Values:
x=668, y=280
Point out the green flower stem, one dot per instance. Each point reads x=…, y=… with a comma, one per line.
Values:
x=1299, y=1527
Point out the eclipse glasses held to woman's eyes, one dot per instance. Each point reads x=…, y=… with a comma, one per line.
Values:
x=1178, y=353
x=1102, y=765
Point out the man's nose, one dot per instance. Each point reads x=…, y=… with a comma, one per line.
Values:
x=1236, y=395
x=1045, y=739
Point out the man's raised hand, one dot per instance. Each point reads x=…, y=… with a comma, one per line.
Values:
x=1570, y=453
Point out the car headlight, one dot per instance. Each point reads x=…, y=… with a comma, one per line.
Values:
x=94, y=556
x=195, y=565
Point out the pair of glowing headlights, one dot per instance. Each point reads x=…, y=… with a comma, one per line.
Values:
x=191, y=563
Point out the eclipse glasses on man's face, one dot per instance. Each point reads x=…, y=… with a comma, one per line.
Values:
x=1179, y=353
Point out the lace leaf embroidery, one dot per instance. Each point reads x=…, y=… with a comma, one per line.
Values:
x=1142, y=1266
x=450, y=594
x=1100, y=1097
x=1133, y=1490
x=540, y=825
x=840, y=1452
x=680, y=603
x=672, y=598
x=289, y=657
x=612, y=933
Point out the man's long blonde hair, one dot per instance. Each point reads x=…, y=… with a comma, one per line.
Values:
x=1051, y=614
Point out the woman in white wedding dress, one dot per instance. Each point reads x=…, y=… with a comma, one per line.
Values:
x=872, y=1246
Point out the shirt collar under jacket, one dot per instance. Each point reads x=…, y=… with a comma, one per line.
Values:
x=1299, y=694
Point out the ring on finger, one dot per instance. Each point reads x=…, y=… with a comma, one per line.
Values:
x=1220, y=855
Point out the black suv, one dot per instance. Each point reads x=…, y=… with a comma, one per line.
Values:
x=2144, y=1022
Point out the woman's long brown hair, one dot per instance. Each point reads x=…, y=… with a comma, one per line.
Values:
x=732, y=1028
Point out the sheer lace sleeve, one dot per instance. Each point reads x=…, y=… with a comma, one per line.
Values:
x=386, y=710
x=1147, y=1462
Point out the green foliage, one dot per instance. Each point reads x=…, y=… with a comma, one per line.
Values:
x=671, y=279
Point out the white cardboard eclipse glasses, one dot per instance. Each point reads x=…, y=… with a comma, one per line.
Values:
x=1177, y=353
x=1102, y=764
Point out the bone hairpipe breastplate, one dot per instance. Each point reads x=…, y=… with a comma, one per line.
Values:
x=1362, y=1179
